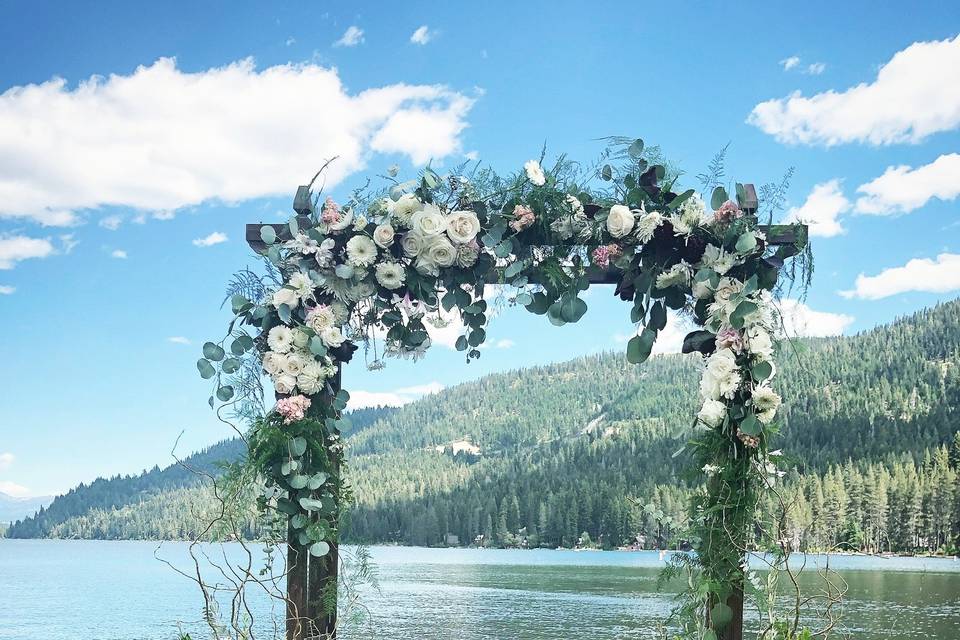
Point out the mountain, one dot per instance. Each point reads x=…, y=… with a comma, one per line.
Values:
x=546, y=454
x=12, y=509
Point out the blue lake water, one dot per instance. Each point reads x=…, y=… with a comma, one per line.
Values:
x=98, y=590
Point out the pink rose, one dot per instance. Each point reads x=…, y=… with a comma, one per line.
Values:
x=728, y=211
x=523, y=217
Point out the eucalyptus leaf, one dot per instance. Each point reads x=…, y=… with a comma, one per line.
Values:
x=212, y=351
x=751, y=426
x=747, y=242
x=299, y=482
x=225, y=393
x=718, y=198
x=206, y=369
x=635, y=150
x=319, y=549
x=298, y=446
x=268, y=234
x=640, y=346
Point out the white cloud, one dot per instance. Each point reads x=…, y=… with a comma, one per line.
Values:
x=815, y=68
x=14, y=489
x=790, y=63
x=350, y=38
x=422, y=35
x=160, y=138
x=111, y=222
x=395, y=398
x=178, y=340
x=6, y=459
x=6, y=289
x=822, y=210
x=13, y=249
x=902, y=189
x=506, y=343
x=118, y=253
x=68, y=242
x=214, y=238
x=919, y=274
x=800, y=320
x=291, y=41
x=915, y=94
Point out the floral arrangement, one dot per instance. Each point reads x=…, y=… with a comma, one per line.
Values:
x=380, y=268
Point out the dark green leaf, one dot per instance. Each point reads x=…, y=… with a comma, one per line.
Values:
x=212, y=351
x=718, y=198
x=225, y=393
x=206, y=369
x=640, y=346
x=298, y=446
x=636, y=149
x=751, y=426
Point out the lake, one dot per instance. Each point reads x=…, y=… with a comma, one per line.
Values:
x=98, y=590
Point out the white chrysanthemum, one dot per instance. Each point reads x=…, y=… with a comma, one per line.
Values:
x=302, y=284
x=462, y=226
x=272, y=362
x=285, y=295
x=440, y=251
x=405, y=207
x=678, y=274
x=535, y=172
x=361, y=251
x=294, y=363
x=362, y=289
x=302, y=243
x=340, y=312
x=691, y=214
x=332, y=337
x=390, y=275
x=647, y=225
x=412, y=244
x=284, y=383
x=324, y=254
x=467, y=256
x=712, y=413
x=766, y=401
x=280, y=339
x=311, y=378
x=619, y=220
x=716, y=258
x=429, y=221
x=383, y=235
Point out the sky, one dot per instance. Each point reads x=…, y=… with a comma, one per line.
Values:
x=137, y=139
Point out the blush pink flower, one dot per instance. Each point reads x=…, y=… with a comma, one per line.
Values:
x=331, y=211
x=293, y=408
x=523, y=217
x=749, y=442
x=604, y=254
x=730, y=338
x=728, y=211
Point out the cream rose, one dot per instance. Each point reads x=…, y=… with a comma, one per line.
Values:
x=462, y=226
x=272, y=362
x=412, y=244
x=284, y=383
x=285, y=296
x=441, y=252
x=332, y=337
x=712, y=413
x=383, y=235
x=429, y=221
x=300, y=338
x=620, y=220
x=293, y=364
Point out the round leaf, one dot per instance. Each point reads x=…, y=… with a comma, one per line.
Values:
x=206, y=369
x=212, y=351
x=319, y=549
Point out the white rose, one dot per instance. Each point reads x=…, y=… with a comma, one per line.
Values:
x=293, y=364
x=412, y=244
x=280, y=339
x=320, y=318
x=383, y=235
x=361, y=251
x=272, y=362
x=535, y=172
x=284, y=383
x=285, y=296
x=332, y=337
x=390, y=275
x=463, y=226
x=619, y=221
x=712, y=413
x=441, y=252
x=727, y=290
x=300, y=338
x=405, y=207
x=721, y=379
x=429, y=221
x=759, y=343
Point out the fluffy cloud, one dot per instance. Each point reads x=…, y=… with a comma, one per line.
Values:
x=178, y=340
x=396, y=398
x=160, y=139
x=815, y=68
x=119, y=254
x=822, y=210
x=6, y=459
x=14, y=489
x=915, y=94
x=422, y=35
x=111, y=222
x=921, y=274
x=6, y=289
x=902, y=189
x=790, y=63
x=800, y=320
x=350, y=38
x=214, y=238
x=13, y=249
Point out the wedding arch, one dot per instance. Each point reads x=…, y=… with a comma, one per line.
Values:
x=377, y=269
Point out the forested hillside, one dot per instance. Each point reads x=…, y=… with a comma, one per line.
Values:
x=541, y=456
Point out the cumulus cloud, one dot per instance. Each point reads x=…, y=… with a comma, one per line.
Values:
x=815, y=68
x=112, y=222
x=6, y=289
x=350, y=38
x=160, y=138
x=790, y=63
x=214, y=238
x=13, y=249
x=14, y=489
x=422, y=35
x=119, y=254
x=800, y=320
x=822, y=210
x=902, y=189
x=915, y=94
x=396, y=398
x=920, y=274
x=6, y=459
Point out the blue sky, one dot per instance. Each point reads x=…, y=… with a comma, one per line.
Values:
x=107, y=188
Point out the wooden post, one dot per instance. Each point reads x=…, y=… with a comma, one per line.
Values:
x=297, y=556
